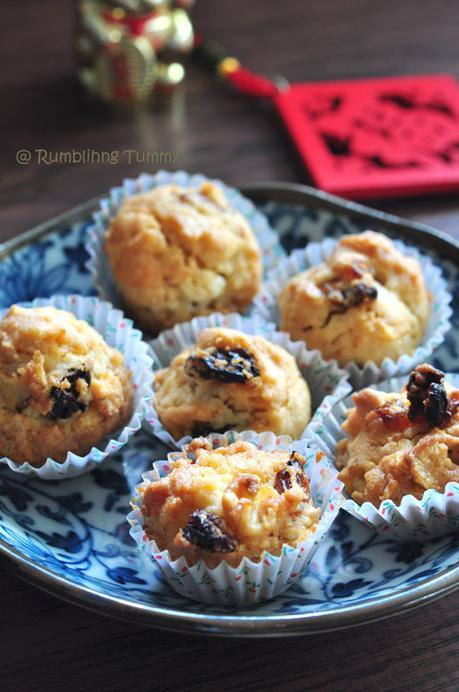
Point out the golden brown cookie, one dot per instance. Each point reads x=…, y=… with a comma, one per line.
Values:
x=180, y=252
x=62, y=388
x=367, y=302
x=229, y=503
x=401, y=443
x=230, y=380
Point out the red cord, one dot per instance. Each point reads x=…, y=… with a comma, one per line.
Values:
x=242, y=80
x=251, y=84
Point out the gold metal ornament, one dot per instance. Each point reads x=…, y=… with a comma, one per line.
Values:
x=126, y=49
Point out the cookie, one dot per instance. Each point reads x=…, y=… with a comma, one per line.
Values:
x=228, y=503
x=179, y=252
x=232, y=381
x=62, y=388
x=367, y=302
x=401, y=443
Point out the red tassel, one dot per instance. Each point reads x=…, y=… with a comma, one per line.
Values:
x=251, y=84
x=244, y=81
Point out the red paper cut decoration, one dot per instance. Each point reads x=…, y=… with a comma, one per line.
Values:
x=377, y=137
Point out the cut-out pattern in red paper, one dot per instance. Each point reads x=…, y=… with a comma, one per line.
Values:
x=377, y=138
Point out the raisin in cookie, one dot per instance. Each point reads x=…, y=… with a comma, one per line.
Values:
x=230, y=380
x=180, y=252
x=62, y=388
x=229, y=503
x=367, y=302
x=401, y=443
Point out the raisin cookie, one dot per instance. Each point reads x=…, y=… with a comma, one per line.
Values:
x=179, y=252
x=229, y=503
x=62, y=388
x=367, y=302
x=401, y=443
x=231, y=380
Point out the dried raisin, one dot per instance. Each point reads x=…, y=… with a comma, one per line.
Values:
x=427, y=395
x=209, y=532
x=66, y=401
x=225, y=365
x=344, y=297
x=283, y=481
x=297, y=461
x=436, y=407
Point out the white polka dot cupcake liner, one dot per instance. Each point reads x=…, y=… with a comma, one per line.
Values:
x=327, y=382
x=250, y=582
x=435, y=514
x=119, y=333
x=266, y=307
x=98, y=263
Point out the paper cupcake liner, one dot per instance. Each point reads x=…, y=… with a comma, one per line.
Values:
x=119, y=333
x=250, y=582
x=98, y=263
x=438, y=323
x=435, y=514
x=326, y=381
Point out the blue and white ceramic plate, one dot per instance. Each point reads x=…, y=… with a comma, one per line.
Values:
x=71, y=537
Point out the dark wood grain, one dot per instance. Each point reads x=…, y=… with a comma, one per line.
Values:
x=211, y=129
x=45, y=643
x=53, y=646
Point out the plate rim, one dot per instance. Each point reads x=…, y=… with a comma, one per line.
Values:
x=371, y=610
x=248, y=626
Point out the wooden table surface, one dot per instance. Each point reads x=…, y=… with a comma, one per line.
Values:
x=47, y=644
